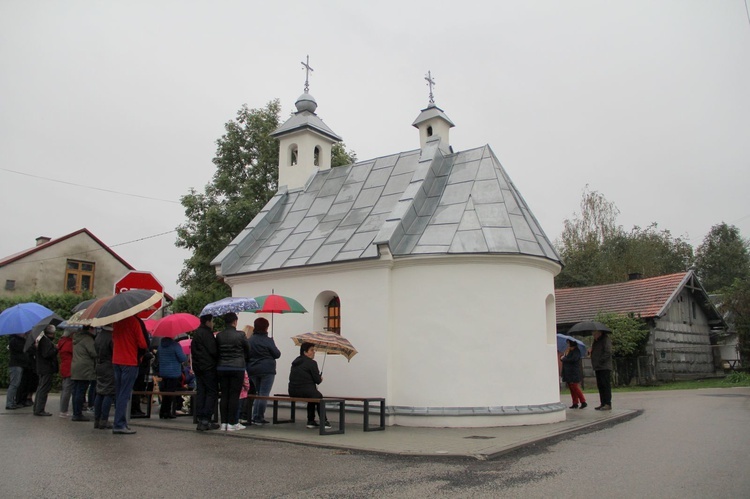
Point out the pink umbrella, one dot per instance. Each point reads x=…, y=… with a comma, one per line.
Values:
x=176, y=324
x=150, y=324
x=185, y=344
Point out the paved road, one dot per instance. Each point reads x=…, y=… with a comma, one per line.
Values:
x=685, y=444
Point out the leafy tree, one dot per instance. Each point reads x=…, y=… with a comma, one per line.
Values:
x=722, y=257
x=736, y=306
x=596, y=250
x=246, y=176
x=629, y=338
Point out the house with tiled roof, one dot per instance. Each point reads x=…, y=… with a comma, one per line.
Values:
x=73, y=263
x=685, y=327
x=428, y=260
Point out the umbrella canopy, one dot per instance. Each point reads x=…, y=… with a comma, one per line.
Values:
x=124, y=305
x=20, y=318
x=186, y=344
x=562, y=344
x=230, y=304
x=326, y=342
x=589, y=327
x=38, y=330
x=88, y=314
x=174, y=325
x=150, y=325
x=277, y=304
x=83, y=305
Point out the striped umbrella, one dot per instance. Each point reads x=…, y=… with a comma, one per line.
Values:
x=326, y=342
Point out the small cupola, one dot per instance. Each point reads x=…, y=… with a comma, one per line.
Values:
x=305, y=142
x=432, y=122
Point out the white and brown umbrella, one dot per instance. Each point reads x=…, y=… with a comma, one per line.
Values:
x=121, y=306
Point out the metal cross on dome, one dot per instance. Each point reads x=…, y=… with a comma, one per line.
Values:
x=308, y=70
x=431, y=82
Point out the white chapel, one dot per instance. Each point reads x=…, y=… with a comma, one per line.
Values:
x=429, y=261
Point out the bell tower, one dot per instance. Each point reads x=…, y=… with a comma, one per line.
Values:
x=432, y=122
x=305, y=142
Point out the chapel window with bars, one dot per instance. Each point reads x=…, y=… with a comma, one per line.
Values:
x=79, y=276
x=333, y=319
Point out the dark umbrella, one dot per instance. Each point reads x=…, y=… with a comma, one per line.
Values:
x=83, y=305
x=38, y=329
x=589, y=327
x=124, y=305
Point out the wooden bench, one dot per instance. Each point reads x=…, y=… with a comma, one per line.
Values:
x=366, y=401
x=150, y=394
x=293, y=401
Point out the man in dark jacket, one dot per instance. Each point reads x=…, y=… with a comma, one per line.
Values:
x=601, y=362
x=303, y=380
x=262, y=366
x=233, y=356
x=46, y=367
x=205, y=354
x=16, y=362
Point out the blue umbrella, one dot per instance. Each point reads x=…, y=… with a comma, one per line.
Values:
x=230, y=304
x=20, y=318
x=562, y=343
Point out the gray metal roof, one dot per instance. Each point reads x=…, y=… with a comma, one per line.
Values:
x=417, y=202
x=431, y=111
x=305, y=120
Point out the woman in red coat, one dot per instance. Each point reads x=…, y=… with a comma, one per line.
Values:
x=65, y=350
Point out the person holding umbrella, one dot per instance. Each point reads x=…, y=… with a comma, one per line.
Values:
x=46, y=368
x=205, y=355
x=233, y=355
x=262, y=366
x=127, y=339
x=170, y=357
x=571, y=373
x=601, y=362
x=303, y=380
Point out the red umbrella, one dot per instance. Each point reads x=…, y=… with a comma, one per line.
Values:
x=176, y=324
x=150, y=324
x=278, y=304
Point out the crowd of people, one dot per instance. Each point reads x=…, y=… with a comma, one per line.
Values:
x=102, y=367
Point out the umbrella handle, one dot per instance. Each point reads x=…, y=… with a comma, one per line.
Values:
x=325, y=354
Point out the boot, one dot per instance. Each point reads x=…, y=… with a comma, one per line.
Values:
x=96, y=424
x=104, y=425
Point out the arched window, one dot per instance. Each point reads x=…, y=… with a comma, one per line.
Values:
x=316, y=157
x=429, y=131
x=333, y=319
x=293, y=157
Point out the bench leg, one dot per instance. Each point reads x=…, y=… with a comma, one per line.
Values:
x=367, y=426
x=324, y=418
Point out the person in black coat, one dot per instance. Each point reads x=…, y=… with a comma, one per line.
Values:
x=233, y=355
x=46, y=367
x=571, y=373
x=205, y=354
x=17, y=360
x=105, y=378
x=304, y=378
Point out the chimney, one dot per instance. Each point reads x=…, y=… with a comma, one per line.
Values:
x=42, y=240
x=634, y=276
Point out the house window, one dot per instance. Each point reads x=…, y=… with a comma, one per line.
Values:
x=10, y=284
x=79, y=276
x=333, y=319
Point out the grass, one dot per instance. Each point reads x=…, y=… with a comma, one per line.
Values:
x=731, y=381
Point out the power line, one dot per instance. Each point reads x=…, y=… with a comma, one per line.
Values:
x=89, y=186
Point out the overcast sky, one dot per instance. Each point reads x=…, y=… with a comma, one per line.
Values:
x=647, y=102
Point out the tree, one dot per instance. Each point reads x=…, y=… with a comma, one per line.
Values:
x=246, y=176
x=736, y=307
x=595, y=250
x=722, y=257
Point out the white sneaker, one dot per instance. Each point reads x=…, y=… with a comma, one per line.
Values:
x=235, y=427
x=64, y=414
x=224, y=427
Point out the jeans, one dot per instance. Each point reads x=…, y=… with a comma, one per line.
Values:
x=79, y=396
x=102, y=403
x=66, y=393
x=604, y=384
x=40, y=401
x=231, y=386
x=124, y=380
x=263, y=385
x=16, y=372
x=91, y=394
x=207, y=394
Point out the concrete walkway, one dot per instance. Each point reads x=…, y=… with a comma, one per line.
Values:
x=476, y=443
